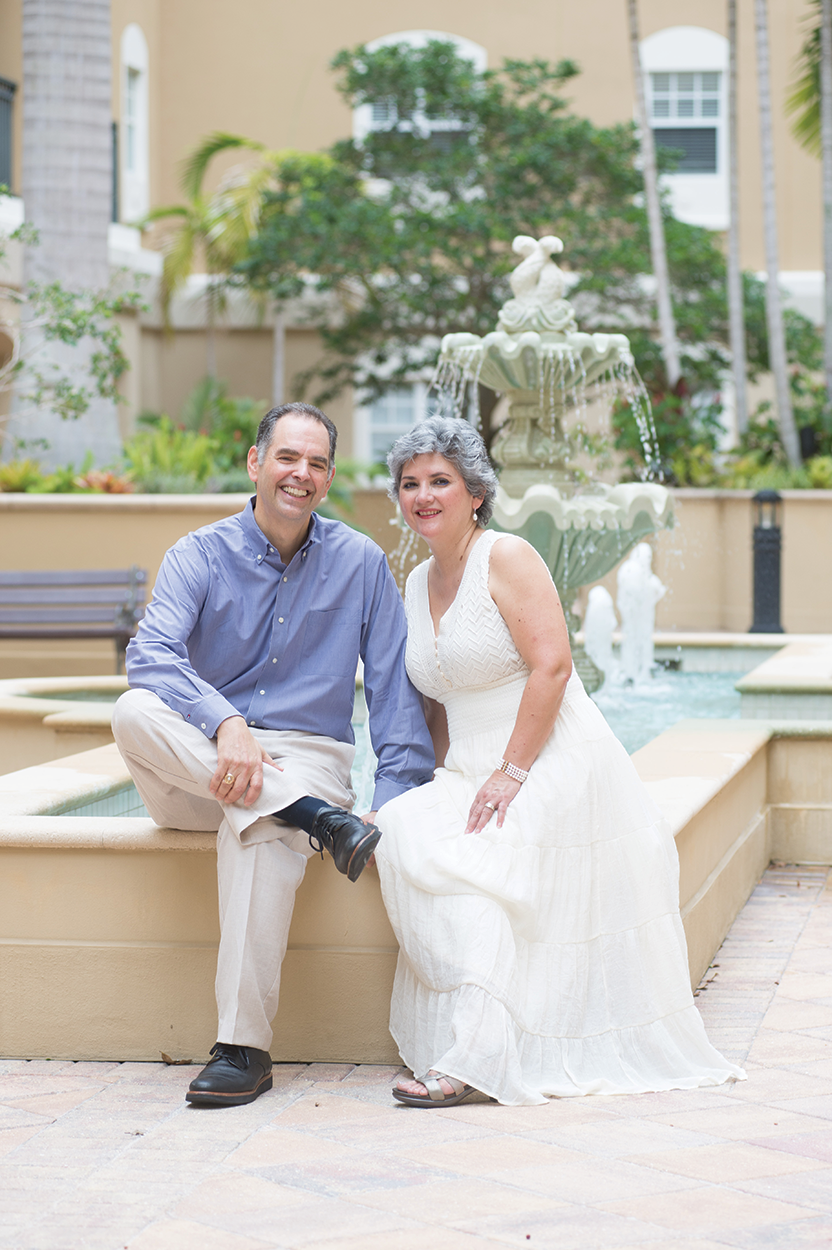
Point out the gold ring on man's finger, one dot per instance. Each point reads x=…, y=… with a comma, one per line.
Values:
x=491, y=807
x=229, y=779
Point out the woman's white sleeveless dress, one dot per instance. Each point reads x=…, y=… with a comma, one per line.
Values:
x=546, y=957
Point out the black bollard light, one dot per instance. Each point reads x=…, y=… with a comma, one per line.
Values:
x=767, y=542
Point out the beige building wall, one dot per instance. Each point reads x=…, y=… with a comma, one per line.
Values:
x=267, y=76
x=263, y=72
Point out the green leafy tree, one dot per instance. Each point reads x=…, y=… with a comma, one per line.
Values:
x=406, y=235
x=43, y=313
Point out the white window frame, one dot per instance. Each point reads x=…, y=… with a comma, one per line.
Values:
x=701, y=199
x=134, y=190
x=362, y=118
x=363, y=420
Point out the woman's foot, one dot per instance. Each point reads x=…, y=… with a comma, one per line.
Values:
x=433, y=1090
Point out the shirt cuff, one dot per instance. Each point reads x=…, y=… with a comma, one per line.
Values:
x=208, y=715
x=386, y=790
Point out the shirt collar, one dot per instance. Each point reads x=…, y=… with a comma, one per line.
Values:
x=257, y=540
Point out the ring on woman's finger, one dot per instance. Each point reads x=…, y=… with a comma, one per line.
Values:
x=229, y=779
x=490, y=807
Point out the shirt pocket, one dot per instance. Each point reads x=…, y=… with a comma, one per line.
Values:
x=330, y=642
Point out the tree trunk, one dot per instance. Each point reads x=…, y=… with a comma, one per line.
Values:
x=826, y=148
x=67, y=191
x=736, y=316
x=279, y=361
x=658, y=250
x=774, y=310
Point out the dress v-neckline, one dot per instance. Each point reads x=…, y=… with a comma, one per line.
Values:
x=437, y=629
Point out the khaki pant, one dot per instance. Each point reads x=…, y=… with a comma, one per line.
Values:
x=260, y=860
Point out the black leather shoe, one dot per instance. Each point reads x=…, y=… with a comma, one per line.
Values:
x=349, y=841
x=236, y=1075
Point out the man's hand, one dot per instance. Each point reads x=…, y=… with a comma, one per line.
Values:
x=240, y=757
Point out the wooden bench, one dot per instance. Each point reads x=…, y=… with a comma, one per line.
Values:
x=90, y=603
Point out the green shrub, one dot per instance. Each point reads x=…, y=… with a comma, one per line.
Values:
x=18, y=476
x=165, y=458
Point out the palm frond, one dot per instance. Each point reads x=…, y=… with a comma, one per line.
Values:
x=194, y=166
x=803, y=100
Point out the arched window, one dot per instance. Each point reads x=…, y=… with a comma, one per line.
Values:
x=134, y=158
x=686, y=78
x=368, y=117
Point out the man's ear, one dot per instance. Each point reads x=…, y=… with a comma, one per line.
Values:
x=329, y=482
x=252, y=464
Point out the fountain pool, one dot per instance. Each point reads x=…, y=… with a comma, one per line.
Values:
x=636, y=715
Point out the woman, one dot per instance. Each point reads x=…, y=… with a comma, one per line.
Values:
x=532, y=885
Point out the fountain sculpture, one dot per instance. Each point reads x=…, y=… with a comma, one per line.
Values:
x=549, y=370
x=600, y=623
x=639, y=590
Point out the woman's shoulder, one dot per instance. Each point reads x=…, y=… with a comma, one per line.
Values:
x=504, y=548
x=513, y=559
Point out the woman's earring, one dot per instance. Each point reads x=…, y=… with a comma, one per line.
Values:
x=475, y=515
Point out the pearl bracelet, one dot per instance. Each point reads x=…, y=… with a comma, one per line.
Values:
x=511, y=770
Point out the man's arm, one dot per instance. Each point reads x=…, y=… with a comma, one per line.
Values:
x=158, y=660
x=397, y=722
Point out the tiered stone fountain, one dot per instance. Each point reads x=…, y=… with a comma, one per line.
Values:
x=549, y=370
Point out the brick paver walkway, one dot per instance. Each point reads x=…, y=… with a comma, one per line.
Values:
x=102, y=1156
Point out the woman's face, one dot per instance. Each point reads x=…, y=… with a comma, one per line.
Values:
x=433, y=498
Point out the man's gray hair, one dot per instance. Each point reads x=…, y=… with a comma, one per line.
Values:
x=265, y=433
x=459, y=443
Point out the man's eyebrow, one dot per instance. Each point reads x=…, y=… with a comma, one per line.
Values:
x=293, y=451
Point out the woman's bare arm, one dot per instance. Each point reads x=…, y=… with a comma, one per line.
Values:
x=522, y=589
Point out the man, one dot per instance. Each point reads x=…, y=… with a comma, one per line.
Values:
x=242, y=682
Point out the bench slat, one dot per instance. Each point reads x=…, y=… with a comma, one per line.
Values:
x=84, y=577
x=47, y=595
x=24, y=616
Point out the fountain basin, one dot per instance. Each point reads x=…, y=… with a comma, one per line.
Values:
x=115, y=921
x=44, y=718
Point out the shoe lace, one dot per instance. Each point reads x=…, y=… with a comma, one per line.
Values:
x=235, y=1055
x=316, y=844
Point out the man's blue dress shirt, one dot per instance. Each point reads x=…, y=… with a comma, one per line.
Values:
x=232, y=631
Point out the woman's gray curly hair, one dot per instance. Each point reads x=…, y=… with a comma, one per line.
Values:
x=459, y=443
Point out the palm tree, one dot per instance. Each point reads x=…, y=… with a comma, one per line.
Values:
x=811, y=103
x=774, y=310
x=735, y=301
x=67, y=153
x=218, y=226
x=658, y=249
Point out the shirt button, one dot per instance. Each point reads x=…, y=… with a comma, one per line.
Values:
x=251, y=722
x=274, y=661
x=280, y=620
x=285, y=579
x=262, y=692
x=203, y=726
x=259, y=558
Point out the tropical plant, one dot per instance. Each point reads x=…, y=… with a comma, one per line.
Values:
x=165, y=459
x=214, y=228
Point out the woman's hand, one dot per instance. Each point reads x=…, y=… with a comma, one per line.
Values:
x=492, y=797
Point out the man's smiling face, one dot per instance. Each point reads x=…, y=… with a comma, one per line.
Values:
x=294, y=476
